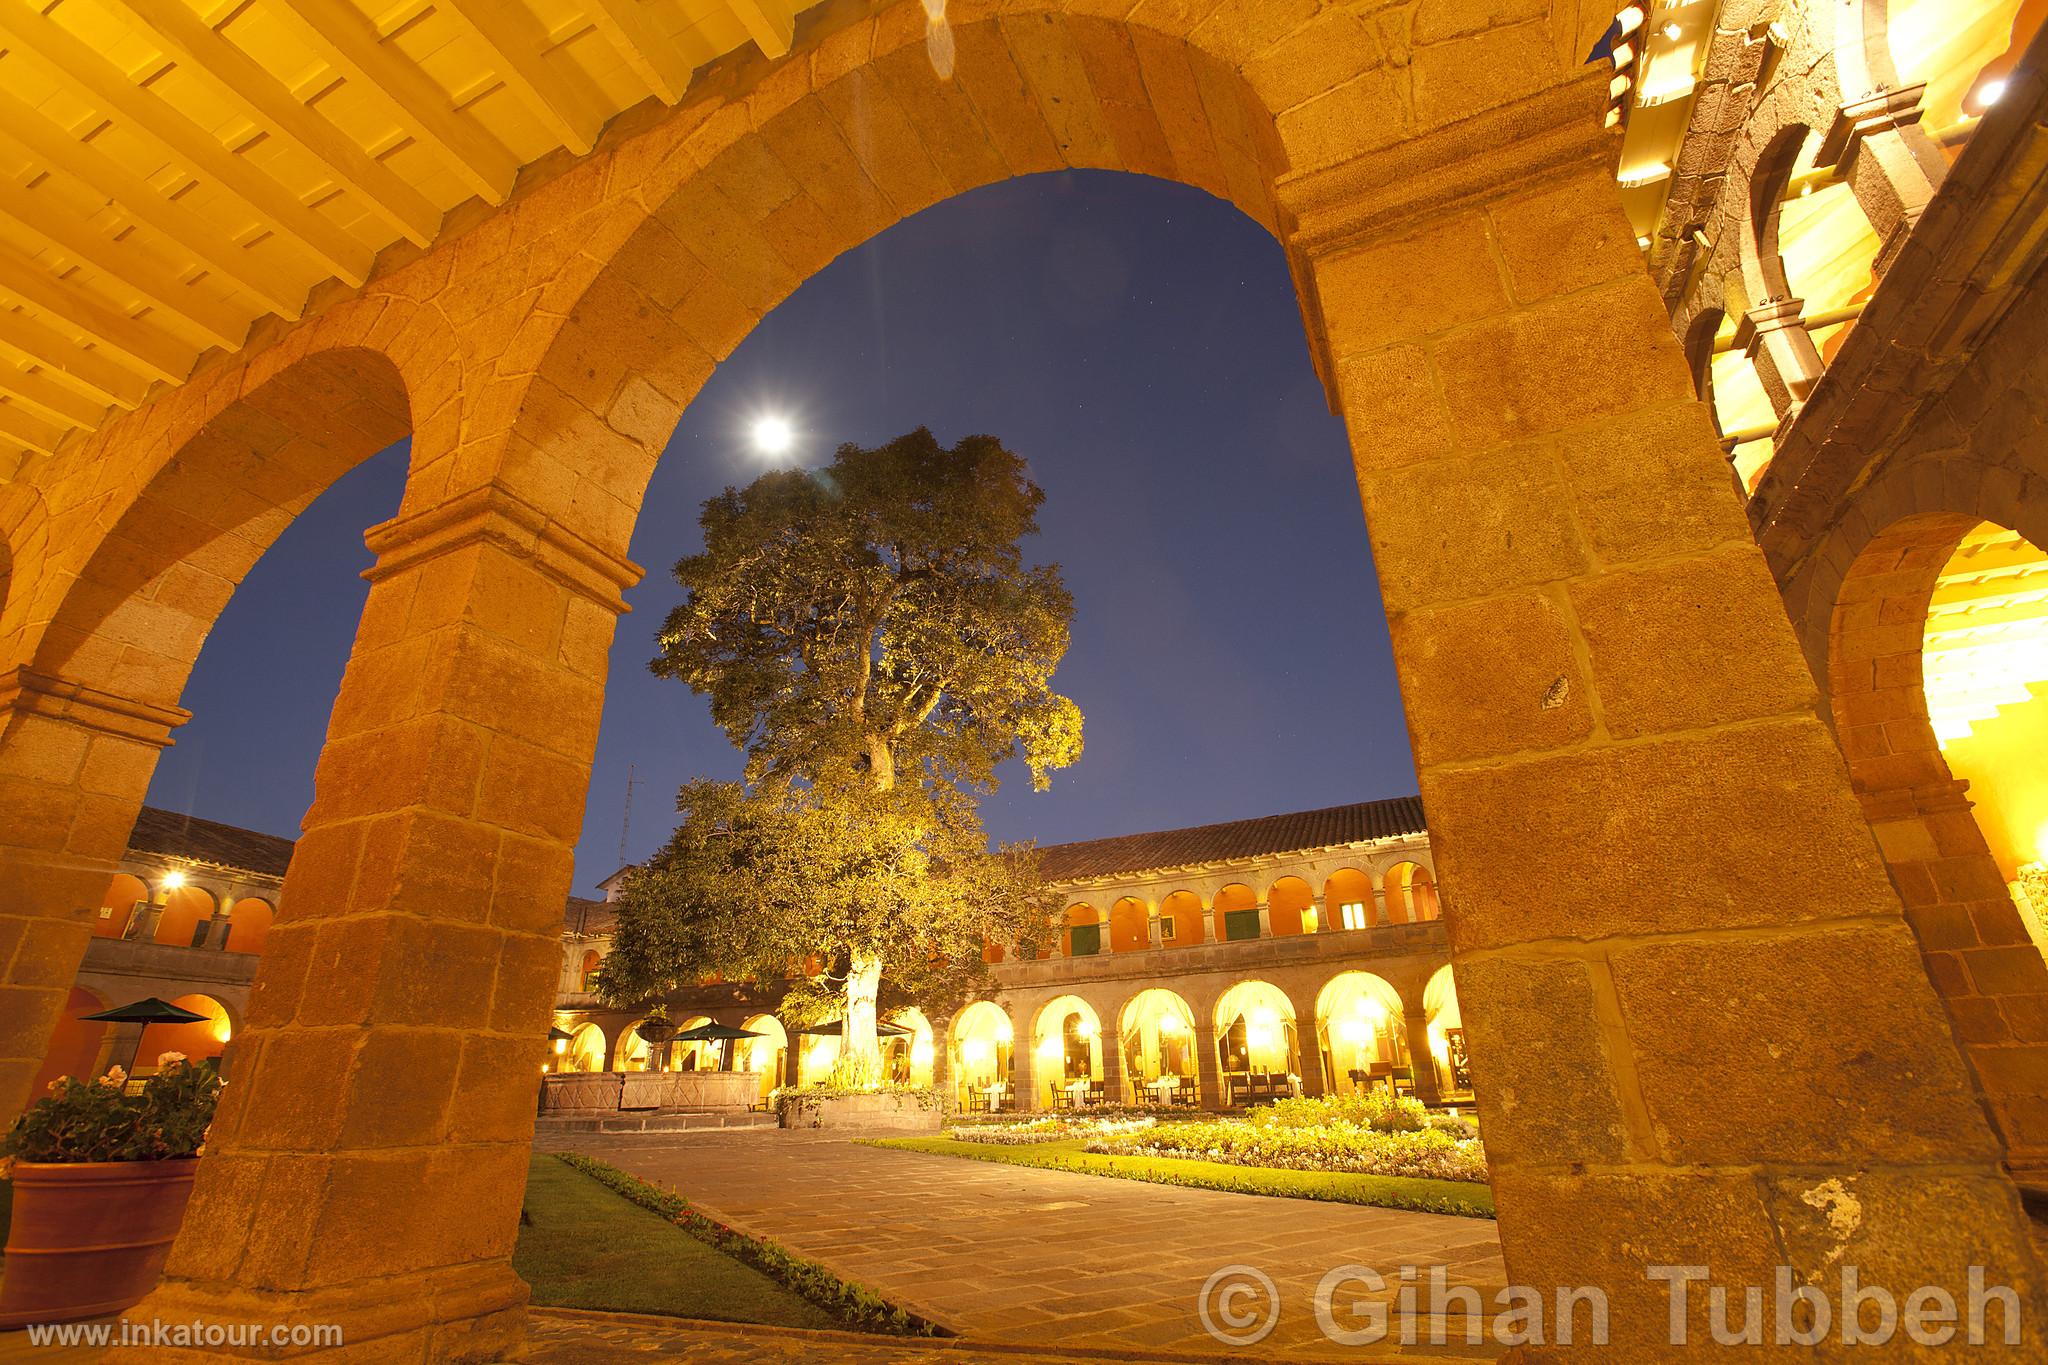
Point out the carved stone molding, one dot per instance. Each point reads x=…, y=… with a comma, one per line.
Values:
x=23, y=691
x=492, y=514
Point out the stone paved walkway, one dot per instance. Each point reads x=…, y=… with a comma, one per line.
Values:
x=1050, y=1259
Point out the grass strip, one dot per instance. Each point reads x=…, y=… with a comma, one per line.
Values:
x=583, y=1246
x=1462, y=1198
x=853, y=1305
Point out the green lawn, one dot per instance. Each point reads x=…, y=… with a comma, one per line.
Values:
x=581, y=1246
x=1385, y=1191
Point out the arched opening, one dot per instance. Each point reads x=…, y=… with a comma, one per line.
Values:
x=126, y=898
x=1180, y=920
x=1084, y=931
x=585, y=1051
x=1985, y=676
x=1348, y=899
x=632, y=1053
x=693, y=1055
x=1411, y=894
x=1258, y=1052
x=1157, y=1030
x=1363, y=1032
x=907, y=1058
x=1966, y=55
x=185, y=913
x=1130, y=925
x=981, y=1037
x=1447, y=1052
x=1067, y=1053
x=587, y=973
x=1235, y=913
x=1290, y=906
x=767, y=1054
x=816, y=1056
x=207, y=1037
x=75, y=1045
x=1815, y=242
x=249, y=924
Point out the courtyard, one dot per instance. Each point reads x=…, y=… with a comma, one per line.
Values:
x=1046, y=1259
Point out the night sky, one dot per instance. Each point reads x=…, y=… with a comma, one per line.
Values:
x=1139, y=343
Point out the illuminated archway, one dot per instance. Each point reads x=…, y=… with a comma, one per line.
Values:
x=1235, y=913
x=1066, y=1051
x=586, y=1049
x=768, y=1054
x=1180, y=920
x=1348, y=899
x=1362, y=1029
x=907, y=1058
x=585, y=974
x=1411, y=894
x=1446, y=1050
x=1130, y=925
x=693, y=1056
x=633, y=1052
x=207, y=1037
x=185, y=909
x=1256, y=1042
x=1084, y=931
x=126, y=897
x=1289, y=906
x=981, y=1039
x=1156, y=1029
x=249, y=924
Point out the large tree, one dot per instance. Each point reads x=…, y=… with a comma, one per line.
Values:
x=871, y=627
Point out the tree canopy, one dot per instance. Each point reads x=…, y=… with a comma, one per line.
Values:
x=869, y=634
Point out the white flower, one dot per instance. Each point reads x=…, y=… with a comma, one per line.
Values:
x=115, y=1076
x=59, y=1083
x=166, y=1059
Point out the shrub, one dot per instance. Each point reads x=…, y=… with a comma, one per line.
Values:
x=99, y=1121
x=1051, y=1128
x=797, y=1106
x=1374, y=1109
x=1329, y=1146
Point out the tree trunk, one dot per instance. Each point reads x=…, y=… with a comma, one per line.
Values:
x=860, y=1049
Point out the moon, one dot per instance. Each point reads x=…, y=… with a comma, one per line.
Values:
x=773, y=435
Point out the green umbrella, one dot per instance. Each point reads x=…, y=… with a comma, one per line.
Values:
x=148, y=1010
x=838, y=1027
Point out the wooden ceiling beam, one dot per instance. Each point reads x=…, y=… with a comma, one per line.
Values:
x=768, y=22
x=137, y=344
x=121, y=263
x=131, y=194
x=349, y=42
x=90, y=372
x=568, y=113
x=36, y=435
x=110, y=87
x=269, y=101
x=658, y=62
x=38, y=392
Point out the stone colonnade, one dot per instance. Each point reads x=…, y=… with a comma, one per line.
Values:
x=1592, y=652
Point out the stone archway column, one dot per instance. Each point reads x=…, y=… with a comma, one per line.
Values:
x=75, y=764
x=1422, y=1061
x=1208, y=1069
x=1644, y=827
x=366, y=1165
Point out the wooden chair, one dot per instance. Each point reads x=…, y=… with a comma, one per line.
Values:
x=1098, y=1093
x=1184, y=1093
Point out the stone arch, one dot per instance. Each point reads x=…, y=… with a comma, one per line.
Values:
x=1181, y=916
x=144, y=602
x=1972, y=939
x=1130, y=925
x=1156, y=1035
x=1361, y=1030
x=250, y=921
x=1290, y=903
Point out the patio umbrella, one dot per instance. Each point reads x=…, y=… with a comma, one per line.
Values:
x=148, y=1010
x=717, y=1033
x=838, y=1027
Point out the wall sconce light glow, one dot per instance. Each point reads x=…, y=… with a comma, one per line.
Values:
x=173, y=880
x=1991, y=93
x=773, y=435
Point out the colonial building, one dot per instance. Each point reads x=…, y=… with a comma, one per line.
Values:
x=184, y=920
x=1198, y=967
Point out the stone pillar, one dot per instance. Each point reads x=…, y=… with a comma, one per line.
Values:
x=1308, y=1044
x=1111, y=1046
x=1377, y=907
x=1265, y=920
x=942, y=1055
x=1023, y=1072
x=1152, y=930
x=1321, y=909
x=1774, y=338
x=1891, y=165
x=1106, y=939
x=75, y=763
x=1209, y=934
x=1428, y=1088
x=1601, y=682
x=382, y=1091
x=1208, y=1073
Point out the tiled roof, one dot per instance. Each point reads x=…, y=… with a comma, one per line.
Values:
x=1297, y=833
x=172, y=835
x=589, y=917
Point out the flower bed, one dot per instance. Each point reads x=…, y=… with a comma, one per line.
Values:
x=1053, y=1128
x=1368, y=1135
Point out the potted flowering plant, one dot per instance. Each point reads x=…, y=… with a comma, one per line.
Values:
x=100, y=1183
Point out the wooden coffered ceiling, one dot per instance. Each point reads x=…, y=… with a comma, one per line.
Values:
x=172, y=170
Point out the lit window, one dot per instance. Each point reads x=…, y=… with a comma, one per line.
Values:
x=1353, y=913
x=1165, y=930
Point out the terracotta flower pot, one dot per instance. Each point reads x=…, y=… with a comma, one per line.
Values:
x=90, y=1238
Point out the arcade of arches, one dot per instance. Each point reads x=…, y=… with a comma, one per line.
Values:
x=1641, y=819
